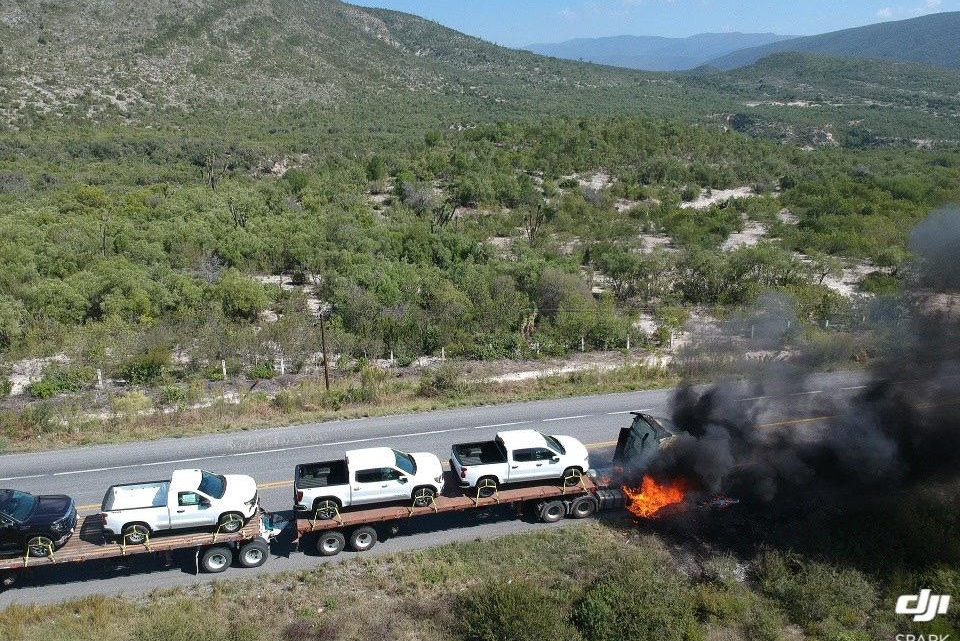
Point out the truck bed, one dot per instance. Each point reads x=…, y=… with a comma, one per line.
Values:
x=460, y=503
x=136, y=496
x=325, y=474
x=89, y=543
x=483, y=453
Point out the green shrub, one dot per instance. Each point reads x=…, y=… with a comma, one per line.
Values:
x=131, y=403
x=445, y=380
x=372, y=379
x=823, y=599
x=173, y=395
x=6, y=386
x=58, y=380
x=145, y=369
x=517, y=611
x=263, y=371
x=638, y=601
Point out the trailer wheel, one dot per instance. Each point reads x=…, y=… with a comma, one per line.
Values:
x=40, y=546
x=326, y=509
x=216, y=559
x=7, y=580
x=423, y=496
x=230, y=523
x=331, y=543
x=487, y=487
x=134, y=533
x=254, y=554
x=553, y=511
x=583, y=507
x=363, y=538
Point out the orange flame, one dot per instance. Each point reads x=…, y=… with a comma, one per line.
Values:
x=651, y=497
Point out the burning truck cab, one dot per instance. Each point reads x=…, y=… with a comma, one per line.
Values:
x=640, y=443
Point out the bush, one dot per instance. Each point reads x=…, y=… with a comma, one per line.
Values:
x=637, y=601
x=59, y=380
x=173, y=395
x=131, y=404
x=146, y=369
x=445, y=380
x=6, y=386
x=518, y=611
x=242, y=298
x=372, y=379
x=263, y=371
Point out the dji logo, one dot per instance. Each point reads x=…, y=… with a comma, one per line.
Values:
x=924, y=606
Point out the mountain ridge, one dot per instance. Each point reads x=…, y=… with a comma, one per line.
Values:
x=654, y=53
x=929, y=39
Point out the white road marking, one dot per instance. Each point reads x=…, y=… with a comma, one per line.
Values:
x=481, y=427
x=566, y=418
x=629, y=412
x=847, y=389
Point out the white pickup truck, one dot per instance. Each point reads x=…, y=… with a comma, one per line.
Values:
x=518, y=456
x=374, y=475
x=190, y=499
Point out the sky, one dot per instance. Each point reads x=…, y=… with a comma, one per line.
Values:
x=522, y=22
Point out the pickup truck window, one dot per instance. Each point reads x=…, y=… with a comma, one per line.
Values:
x=369, y=476
x=186, y=499
x=405, y=462
x=554, y=443
x=212, y=485
x=523, y=456
x=16, y=505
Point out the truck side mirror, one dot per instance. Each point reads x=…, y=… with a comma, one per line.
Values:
x=204, y=502
x=555, y=459
x=403, y=479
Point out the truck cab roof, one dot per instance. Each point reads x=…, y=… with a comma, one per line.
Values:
x=371, y=458
x=521, y=439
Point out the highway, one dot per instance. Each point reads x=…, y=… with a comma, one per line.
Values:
x=269, y=455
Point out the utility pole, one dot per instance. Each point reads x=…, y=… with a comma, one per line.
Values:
x=323, y=343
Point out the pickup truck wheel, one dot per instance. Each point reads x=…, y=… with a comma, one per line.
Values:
x=216, y=559
x=553, y=511
x=39, y=546
x=331, y=543
x=325, y=509
x=230, y=523
x=423, y=496
x=8, y=580
x=487, y=487
x=573, y=474
x=134, y=534
x=363, y=538
x=583, y=507
x=254, y=554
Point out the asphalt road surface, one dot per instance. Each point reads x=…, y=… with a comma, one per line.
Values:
x=269, y=456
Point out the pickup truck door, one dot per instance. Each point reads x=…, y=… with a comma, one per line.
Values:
x=378, y=485
x=534, y=463
x=190, y=509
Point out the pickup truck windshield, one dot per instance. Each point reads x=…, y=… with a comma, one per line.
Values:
x=212, y=485
x=16, y=505
x=554, y=444
x=405, y=462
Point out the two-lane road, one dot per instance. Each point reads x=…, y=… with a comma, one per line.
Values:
x=269, y=456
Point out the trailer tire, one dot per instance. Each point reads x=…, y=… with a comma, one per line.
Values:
x=486, y=491
x=331, y=543
x=7, y=580
x=254, y=554
x=583, y=507
x=363, y=539
x=216, y=559
x=423, y=496
x=326, y=509
x=230, y=522
x=39, y=546
x=553, y=511
x=135, y=533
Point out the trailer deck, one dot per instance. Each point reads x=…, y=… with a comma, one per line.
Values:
x=445, y=504
x=89, y=542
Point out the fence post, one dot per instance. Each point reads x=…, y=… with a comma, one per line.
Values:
x=443, y=353
x=283, y=369
x=628, y=341
x=99, y=378
x=583, y=345
x=223, y=369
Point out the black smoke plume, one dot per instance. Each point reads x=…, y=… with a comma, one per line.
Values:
x=900, y=432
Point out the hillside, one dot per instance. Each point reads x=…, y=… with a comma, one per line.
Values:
x=654, y=53
x=930, y=40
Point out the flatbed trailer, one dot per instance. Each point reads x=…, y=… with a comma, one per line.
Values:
x=357, y=528
x=214, y=551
